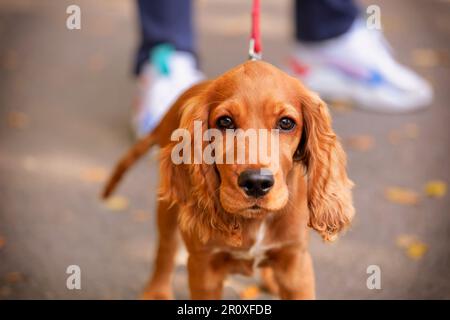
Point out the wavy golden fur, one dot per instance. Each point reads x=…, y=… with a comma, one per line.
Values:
x=219, y=222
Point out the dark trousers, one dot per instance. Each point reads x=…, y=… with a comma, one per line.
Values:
x=169, y=21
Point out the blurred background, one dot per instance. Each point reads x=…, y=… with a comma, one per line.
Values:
x=65, y=101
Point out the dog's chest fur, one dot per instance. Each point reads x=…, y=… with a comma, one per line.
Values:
x=257, y=250
x=260, y=243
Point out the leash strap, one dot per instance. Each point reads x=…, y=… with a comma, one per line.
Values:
x=254, y=52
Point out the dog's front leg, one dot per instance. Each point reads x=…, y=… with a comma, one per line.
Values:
x=293, y=271
x=205, y=276
x=160, y=286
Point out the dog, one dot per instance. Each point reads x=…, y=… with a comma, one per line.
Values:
x=235, y=218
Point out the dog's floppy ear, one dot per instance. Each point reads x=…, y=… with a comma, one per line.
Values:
x=329, y=189
x=180, y=181
x=191, y=184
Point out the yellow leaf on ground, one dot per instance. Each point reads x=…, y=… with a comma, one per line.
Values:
x=117, y=203
x=401, y=196
x=2, y=242
x=430, y=57
x=416, y=250
x=5, y=291
x=405, y=240
x=341, y=105
x=97, y=62
x=94, y=174
x=14, y=277
x=360, y=143
x=411, y=130
x=392, y=24
x=425, y=58
x=250, y=292
x=18, y=120
x=436, y=189
x=408, y=131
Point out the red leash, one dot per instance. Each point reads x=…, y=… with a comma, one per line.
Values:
x=255, y=38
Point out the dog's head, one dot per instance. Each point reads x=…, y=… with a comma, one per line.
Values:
x=241, y=137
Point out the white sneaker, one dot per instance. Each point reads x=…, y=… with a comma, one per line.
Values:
x=162, y=81
x=359, y=67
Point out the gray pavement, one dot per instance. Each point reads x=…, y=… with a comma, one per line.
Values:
x=64, y=107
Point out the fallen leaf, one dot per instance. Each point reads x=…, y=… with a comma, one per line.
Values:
x=250, y=292
x=405, y=240
x=18, y=120
x=341, y=105
x=436, y=189
x=401, y=196
x=117, y=203
x=5, y=291
x=14, y=277
x=416, y=250
x=430, y=57
x=411, y=130
x=360, y=143
x=408, y=131
x=392, y=24
x=141, y=216
x=2, y=242
x=94, y=174
x=424, y=58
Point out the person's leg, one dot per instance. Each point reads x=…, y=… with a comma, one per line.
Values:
x=337, y=56
x=317, y=20
x=166, y=63
x=164, y=21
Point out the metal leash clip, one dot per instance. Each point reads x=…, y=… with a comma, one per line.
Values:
x=252, y=55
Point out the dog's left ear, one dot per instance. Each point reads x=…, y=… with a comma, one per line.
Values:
x=193, y=185
x=329, y=189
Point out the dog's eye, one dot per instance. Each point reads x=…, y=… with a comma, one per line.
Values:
x=286, y=124
x=225, y=122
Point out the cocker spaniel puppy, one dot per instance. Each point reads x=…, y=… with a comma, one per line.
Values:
x=237, y=212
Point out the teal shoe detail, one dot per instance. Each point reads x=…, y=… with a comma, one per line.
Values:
x=159, y=57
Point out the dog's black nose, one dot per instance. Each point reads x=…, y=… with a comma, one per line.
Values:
x=256, y=183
